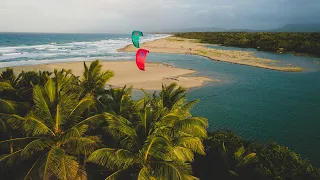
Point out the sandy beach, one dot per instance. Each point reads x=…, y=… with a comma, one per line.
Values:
x=187, y=46
x=127, y=73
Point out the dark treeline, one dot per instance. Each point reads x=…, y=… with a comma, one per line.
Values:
x=301, y=43
x=230, y=157
x=55, y=125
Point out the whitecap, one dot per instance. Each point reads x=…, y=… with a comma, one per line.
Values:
x=104, y=48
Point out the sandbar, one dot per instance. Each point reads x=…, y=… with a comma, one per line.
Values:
x=189, y=46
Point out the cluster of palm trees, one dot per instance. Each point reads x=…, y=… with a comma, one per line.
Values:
x=54, y=124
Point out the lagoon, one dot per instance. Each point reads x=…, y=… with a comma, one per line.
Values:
x=259, y=104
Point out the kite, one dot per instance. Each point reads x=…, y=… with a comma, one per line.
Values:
x=141, y=56
x=135, y=38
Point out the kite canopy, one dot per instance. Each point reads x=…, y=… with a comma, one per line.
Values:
x=135, y=38
x=141, y=56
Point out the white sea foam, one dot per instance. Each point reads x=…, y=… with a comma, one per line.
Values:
x=74, y=51
x=81, y=59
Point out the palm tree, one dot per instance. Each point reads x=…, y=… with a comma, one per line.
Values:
x=16, y=92
x=174, y=99
x=16, y=98
x=157, y=144
x=54, y=130
x=237, y=160
x=93, y=80
x=172, y=95
x=118, y=101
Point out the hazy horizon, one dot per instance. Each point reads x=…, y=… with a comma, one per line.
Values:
x=111, y=16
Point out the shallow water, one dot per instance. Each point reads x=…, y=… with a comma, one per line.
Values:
x=259, y=104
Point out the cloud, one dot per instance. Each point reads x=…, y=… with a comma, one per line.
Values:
x=125, y=15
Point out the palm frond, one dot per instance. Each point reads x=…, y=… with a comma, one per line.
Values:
x=144, y=174
x=195, y=126
x=233, y=173
x=81, y=174
x=112, y=158
x=192, y=143
x=93, y=80
x=105, y=77
x=73, y=132
x=187, y=107
x=172, y=170
x=51, y=91
x=163, y=131
x=115, y=175
x=7, y=142
x=67, y=103
x=183, y=154
x=193, y=121
x=158, y=147
x=5, y=86
x=7, y=160
x=121, y=124
x=171, y=95
x=239, y=153
x=30, y=125
x=31, y=169
x=7, y=106
x=82, y=145
x=250, y=158
x=3, y=126
x=42, y=108
x=169, y=119
x=7, y=75
x=178, y=95
x=60, y=165
x=195, y=131
x=82, y=105
x=35, y=146
x=92, y=121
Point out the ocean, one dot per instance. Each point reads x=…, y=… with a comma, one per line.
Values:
x=35, y=48
x=259, y=104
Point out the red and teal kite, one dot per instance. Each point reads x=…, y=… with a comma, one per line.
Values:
x=136, y=37
x=141, y=56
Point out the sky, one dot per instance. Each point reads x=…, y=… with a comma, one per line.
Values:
x=111, y=16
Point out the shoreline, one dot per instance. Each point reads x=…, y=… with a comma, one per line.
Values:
x=126, y=73
x=174, y=45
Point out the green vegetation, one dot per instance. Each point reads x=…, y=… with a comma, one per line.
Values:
x=55, y=125
x=298, y=43
x=230, y=157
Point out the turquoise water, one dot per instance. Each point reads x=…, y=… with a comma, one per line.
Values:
x=259, y=104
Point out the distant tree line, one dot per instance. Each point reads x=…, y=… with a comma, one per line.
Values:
x=300, y=43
